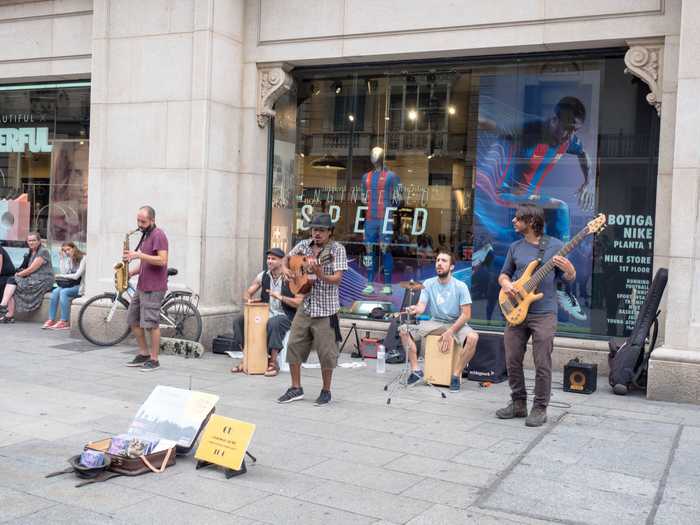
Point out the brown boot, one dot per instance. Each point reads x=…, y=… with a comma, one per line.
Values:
x=516, y=408
x=537, y=417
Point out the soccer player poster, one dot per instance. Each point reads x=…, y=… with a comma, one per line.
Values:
x=536, y=142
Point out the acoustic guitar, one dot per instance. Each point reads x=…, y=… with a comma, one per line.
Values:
x=302, y=278
x=515, y=308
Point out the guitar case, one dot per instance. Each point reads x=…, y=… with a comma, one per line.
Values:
x=628, y=361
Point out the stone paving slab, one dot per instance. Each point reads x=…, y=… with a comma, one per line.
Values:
x=16, y=504
x=372, y=503
x=599, y=459
x=68, y=514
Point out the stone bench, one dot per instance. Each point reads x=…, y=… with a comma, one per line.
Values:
x=39, y=315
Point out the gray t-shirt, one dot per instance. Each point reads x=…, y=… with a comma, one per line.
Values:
x=445, y=301
x=520, y=254
x=45, y=271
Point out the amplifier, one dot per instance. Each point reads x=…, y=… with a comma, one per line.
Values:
x=225, y=343
x=368, y=347
x=580, y=378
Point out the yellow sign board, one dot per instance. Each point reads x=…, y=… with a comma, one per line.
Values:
x=225, y=441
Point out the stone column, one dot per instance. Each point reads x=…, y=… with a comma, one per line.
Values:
x=263, y=84
x=674, y=369
x=166, y=116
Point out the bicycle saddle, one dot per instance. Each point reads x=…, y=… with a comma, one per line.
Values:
x=172, y=271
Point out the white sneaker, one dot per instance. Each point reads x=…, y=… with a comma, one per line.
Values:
x=570, y=305
x=368, y=290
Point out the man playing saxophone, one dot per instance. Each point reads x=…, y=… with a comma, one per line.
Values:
x=144, y=310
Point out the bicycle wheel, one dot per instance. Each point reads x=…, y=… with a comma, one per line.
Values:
x=102, y=319
x=185, y=318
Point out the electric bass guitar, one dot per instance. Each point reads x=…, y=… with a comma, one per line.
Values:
x=515, y=307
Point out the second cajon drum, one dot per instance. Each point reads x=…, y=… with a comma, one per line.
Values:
x=438, y=366
x=255, y=347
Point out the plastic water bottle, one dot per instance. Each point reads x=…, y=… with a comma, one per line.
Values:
x=381, y=359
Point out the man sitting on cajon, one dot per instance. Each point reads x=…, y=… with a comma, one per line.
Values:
x=283, y=305
x=449, y=304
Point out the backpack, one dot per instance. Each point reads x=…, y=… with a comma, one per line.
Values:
x=395, y=352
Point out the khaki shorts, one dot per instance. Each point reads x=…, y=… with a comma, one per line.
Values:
x=144, y=310
x=312, y=332
x=424, y=328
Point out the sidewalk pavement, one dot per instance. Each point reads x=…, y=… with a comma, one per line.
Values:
x=423, y=459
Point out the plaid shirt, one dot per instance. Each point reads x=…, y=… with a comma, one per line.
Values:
x=323, y=299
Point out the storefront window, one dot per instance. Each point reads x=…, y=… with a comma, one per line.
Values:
x=414, y=159
x=44, y=142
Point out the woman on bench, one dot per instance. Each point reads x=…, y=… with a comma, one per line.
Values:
x=25, y=291
x=68, y=285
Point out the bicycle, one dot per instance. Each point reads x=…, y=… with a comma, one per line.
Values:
x=102, y=319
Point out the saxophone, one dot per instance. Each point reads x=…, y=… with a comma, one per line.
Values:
x=121, y=269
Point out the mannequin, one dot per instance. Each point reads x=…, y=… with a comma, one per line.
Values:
x=378, y=185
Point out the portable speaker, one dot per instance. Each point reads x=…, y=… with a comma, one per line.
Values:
x=580, y=378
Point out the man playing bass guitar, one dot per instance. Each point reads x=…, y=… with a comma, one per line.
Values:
x=541, y=320
x=316, y=323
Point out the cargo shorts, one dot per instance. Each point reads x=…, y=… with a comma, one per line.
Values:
x=144, y=309
x=428, y=327
x=309, y=333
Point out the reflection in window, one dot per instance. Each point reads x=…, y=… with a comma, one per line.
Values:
x=44, y=142
x=460, y=145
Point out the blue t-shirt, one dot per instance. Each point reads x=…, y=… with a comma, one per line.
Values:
x=445, y=300
x=520, y=254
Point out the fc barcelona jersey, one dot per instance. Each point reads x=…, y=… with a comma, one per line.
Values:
x=532, y=156
x=379, y=186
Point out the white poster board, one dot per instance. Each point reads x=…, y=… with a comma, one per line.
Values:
x=173, y=414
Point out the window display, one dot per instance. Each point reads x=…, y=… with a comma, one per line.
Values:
x=412, y=159
x=44, y=142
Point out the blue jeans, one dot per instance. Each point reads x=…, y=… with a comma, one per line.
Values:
x=65, y=296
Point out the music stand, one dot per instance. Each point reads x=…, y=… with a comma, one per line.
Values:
x=401, y=379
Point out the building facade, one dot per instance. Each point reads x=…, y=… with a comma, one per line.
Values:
x=238, y=119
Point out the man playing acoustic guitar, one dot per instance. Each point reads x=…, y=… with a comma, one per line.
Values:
x=541, y=320
x=316, y=323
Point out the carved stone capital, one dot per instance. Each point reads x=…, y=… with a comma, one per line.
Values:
x=644, y=59
x=273, y=82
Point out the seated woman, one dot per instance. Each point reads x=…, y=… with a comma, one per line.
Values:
x=69, y=282
x=7, y=269
x=25, y=291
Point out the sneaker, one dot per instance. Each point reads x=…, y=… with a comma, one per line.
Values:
x=537, y=417
x=570, y=305
x=323, y=398
x=516, y=408
x=61, y=325
x=48, y=324
x=368, y=290
x=416, y=375
x=455, y=384
x=292, y=394
x=138, y=360
x=387, y=289
x=149, y=366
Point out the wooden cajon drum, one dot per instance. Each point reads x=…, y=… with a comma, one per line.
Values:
x=255, y=316
x=438, y=366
